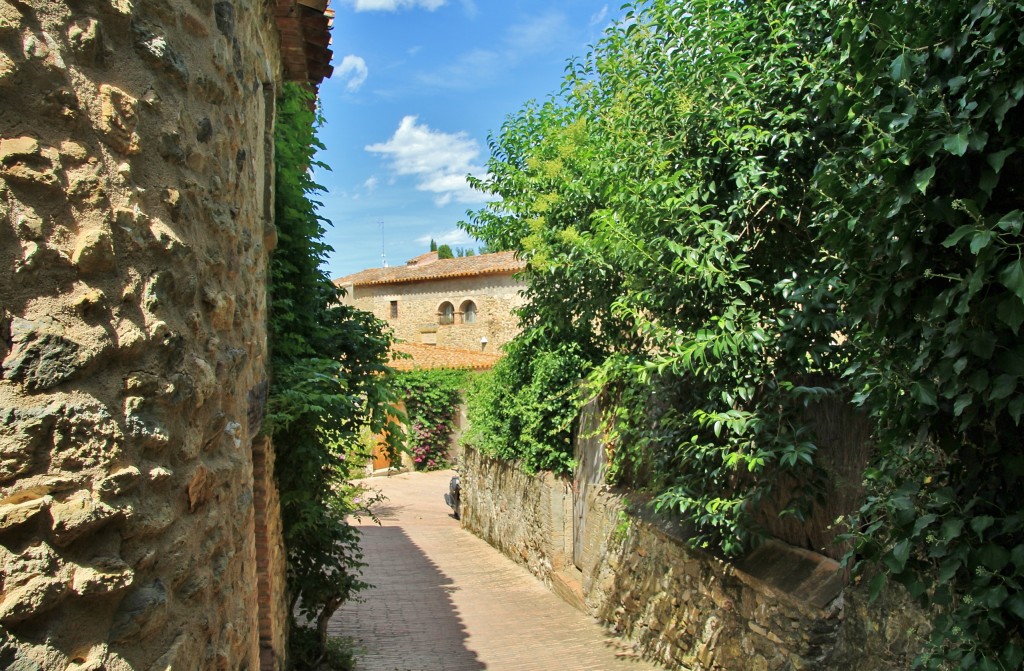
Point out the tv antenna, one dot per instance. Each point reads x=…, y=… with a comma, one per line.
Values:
x=383, y=258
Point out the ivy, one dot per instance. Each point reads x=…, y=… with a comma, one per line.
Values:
x=432, y=398
x=524, y=409
x=329, y=383
x=733, y=212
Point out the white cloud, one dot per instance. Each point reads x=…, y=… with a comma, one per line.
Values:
x=596, y=19
x=439, y=161
x=371, y=184
x=354, y=68
x=394, y=5
x=456, y=236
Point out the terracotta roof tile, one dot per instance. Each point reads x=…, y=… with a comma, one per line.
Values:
x=305, y=28
x=466, y=266
x=432, y=356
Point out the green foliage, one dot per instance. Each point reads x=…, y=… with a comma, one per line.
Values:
x=433, y=245
x=445, y=252
x=329, y=381
x=733, y=210
x=524, y=409
x=432, y=398
x=923, y=204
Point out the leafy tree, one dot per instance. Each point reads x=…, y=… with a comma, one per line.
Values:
x=922, y=202
x=329, y=382
x=444, y=252
x=733, y=210
x=433, y=245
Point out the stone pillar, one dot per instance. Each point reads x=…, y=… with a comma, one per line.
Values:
x=134, y=236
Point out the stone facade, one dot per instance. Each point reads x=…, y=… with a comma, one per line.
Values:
x=412, y=300
x=781, y=608
x=136, y=166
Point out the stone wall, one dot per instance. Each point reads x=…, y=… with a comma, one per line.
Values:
x=135, y=224
x=779, y=608
x=496, y=296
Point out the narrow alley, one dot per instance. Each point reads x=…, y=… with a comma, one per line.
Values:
x=445, y=600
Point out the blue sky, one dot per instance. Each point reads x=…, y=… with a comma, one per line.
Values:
x=418, y=85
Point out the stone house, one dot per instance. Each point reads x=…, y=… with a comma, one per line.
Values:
x=465, y=303
x=139, y=525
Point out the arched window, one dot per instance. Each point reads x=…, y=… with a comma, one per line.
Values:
x=468, y=311
x=446, y=313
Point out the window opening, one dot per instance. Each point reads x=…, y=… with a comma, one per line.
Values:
x=394, y=309
x=468, y=312
x=446, y=313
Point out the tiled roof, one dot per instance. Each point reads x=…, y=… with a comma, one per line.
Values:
x=466, y=266
x=305, y=27
x=432, y=356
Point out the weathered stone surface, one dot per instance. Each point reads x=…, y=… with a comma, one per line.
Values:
x=102, y=578
x=32, y=582
x=94, y=252
x=18, y=514
x=24, y=160
x=22, y=433
x=781, y=609
x=118, y=119
x=78, y=516
x=42, y=359
x=199, y=488
x=155, y=49
x=142, y=612
x=133, y=199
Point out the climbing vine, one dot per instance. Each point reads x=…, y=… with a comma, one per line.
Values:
x=734, y=212
x=330, y=380
x=432, y=398
x=524, y=409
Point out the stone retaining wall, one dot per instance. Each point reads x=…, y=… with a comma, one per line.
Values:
x=779, y=608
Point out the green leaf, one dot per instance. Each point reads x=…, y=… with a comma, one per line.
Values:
x=1015, y=604
x=982, y=522
x=1003, y=386
x=951, y=528
x=996, y=159
x=1011, y=312
x=1012, y=277
x=981, y=240
x=1012, y=656
x=923, y=177
x=958, y=235
x=993, y=557
x=923, y=522
x=875, y=588
x=924, y=393
x=899, y=69
x=957, y=144
x=993, y=597
x=900, y=554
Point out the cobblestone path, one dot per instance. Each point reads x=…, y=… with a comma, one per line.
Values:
x=447, y=601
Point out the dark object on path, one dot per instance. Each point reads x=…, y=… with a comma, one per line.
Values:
x=452, y=497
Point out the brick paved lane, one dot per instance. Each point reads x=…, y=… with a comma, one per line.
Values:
x=447, y=601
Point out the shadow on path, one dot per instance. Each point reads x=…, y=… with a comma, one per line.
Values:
x=407, y=622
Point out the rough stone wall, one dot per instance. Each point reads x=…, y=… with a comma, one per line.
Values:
x=271, y=564
x=527, y=517
x=496, y=296
x=134, y=231
x=779, y=609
